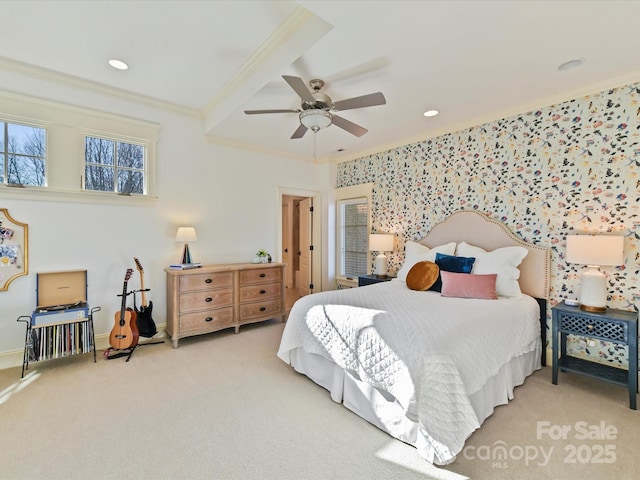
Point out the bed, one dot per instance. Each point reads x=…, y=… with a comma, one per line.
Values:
x=428, y=369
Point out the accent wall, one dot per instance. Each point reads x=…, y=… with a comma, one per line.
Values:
x=567, y=168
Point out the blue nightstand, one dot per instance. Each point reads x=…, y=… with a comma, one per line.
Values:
x=371, y=279
x=618, y=326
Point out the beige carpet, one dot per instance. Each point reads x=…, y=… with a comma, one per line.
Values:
x=222, y=406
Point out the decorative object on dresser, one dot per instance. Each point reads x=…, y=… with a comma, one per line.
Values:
x=617, y=326
x=221, y=296
x=186, y=235
x=381, y=243
x=594, y=251
x=62, y=323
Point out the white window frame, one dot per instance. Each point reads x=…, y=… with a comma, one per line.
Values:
x=115, y=165
x=66, y=128
x=5, y=152
x=364, y=190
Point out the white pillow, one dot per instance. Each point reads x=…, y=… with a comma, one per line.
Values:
x=501, y=261
x=415, y=252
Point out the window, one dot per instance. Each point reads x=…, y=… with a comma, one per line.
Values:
x=22, y=155
x=354, y=234
x=67, y=153
x=114, y=166
x=353, y=224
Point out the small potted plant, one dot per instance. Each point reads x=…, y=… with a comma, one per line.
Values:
x=262, y=256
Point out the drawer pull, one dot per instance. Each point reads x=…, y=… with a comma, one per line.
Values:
x=208, y=299
x=262, y=275
x=262, y=309
x=208, y=280
x=208, y=319
x=262, y=292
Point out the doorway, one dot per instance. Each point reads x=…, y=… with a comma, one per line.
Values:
x=300, y=244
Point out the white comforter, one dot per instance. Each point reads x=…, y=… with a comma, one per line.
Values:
x=430, y=352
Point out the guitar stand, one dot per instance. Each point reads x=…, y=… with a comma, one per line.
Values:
x=128, y=352
x=121, y=353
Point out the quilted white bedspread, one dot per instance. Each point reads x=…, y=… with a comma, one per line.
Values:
x=430, y=352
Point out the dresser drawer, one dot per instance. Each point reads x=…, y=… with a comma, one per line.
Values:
x=208, y=299
x=206, y=321
x=260, y=275
x=260, y=309
x=603, y=328
x=206, y=281
x=255, y=293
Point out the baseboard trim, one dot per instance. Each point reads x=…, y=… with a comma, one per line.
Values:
x=13, y=358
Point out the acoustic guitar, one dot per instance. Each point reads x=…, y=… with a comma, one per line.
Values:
x=146, y=325
x=124, y=333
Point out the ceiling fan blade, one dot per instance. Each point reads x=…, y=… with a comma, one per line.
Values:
x=360, y=102
x=300, y=88
x=349, y=126
x=299, y=133
x=254, y=112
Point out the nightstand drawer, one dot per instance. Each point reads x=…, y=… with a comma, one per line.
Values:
x=605, y=329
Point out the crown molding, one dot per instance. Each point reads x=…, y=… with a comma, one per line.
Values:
x=75, y=82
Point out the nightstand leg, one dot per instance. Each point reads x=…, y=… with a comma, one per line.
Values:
x=633, y=364
x=554, y=349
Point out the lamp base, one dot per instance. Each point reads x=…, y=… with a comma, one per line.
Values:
x=589, y=308
x=380, y=266
x=593, y=290
x=186, y=255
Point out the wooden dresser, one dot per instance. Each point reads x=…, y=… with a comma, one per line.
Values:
x=215, y=297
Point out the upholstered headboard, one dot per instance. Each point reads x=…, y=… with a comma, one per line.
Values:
x=477, y=229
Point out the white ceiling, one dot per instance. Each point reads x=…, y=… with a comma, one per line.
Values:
x=475, y=61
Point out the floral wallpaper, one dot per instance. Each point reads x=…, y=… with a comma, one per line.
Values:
x=568, y=168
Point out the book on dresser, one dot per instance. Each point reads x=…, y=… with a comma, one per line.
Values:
x=215, y=297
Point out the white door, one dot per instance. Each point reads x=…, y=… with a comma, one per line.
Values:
x=306, y=221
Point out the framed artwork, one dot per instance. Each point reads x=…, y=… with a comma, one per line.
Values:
x=14, y=246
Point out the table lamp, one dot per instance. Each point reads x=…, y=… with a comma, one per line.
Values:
x=380, y=242
x=186, y=234
x=594, y=251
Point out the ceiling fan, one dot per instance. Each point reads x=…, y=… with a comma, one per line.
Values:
x=317, y=110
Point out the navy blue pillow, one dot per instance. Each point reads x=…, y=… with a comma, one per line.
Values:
x=449, y=263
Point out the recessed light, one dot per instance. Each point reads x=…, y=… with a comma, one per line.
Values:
x=571, y=64
x=431, y=113
x=118, y=64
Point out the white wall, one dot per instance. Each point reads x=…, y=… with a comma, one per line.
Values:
x=228, y=195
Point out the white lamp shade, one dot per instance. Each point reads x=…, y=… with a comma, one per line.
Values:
x=380, y=242
x=186, y=234
x=595, y=249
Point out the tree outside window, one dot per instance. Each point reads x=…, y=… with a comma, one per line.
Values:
x=22, y=155
x=114, y=166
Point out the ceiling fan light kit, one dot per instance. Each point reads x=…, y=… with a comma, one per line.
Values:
x=315, y=120
x=317, y=110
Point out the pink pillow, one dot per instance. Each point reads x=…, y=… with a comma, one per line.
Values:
x=465, y=285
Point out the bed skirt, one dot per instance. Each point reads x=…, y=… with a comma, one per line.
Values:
x=382, y=410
